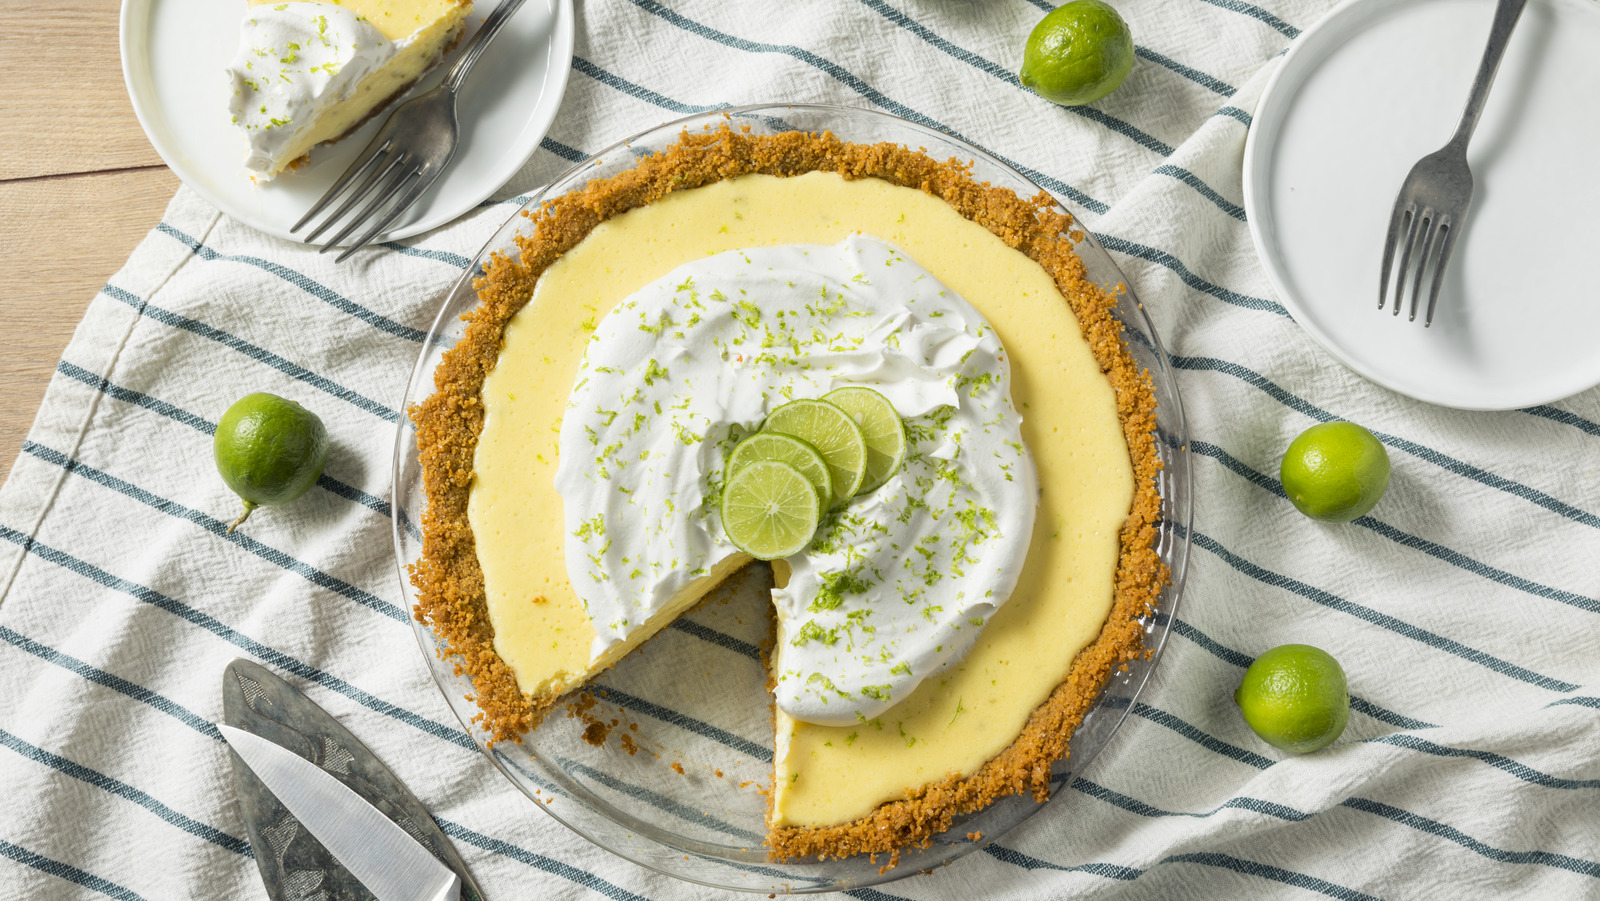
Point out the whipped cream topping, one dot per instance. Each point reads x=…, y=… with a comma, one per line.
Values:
x=898, y=582
x=296, y=60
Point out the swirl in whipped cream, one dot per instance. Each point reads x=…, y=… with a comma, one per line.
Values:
x=898, y=582
x=296, y=60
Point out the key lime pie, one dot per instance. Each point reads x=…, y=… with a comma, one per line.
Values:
x=308, y=72
x=972, y=552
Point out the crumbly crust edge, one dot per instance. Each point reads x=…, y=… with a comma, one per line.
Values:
x=449, y=581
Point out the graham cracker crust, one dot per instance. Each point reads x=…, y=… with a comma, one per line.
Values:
x=449, y=581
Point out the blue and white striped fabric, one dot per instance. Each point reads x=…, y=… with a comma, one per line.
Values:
x=1464, y=608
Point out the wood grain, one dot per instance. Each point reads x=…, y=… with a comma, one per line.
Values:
x=79, y=187
x=64, y=108
x=62, y=238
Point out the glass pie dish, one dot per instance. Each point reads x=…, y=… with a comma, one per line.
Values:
x=682, y=789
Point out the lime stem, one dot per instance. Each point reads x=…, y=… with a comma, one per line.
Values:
x=249, y=508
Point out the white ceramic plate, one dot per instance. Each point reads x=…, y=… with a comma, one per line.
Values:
x=173, y=56
x=1361, y=97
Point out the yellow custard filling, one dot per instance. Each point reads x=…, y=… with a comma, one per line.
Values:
x=397, y=19
x=425, y=26
x=955, y=721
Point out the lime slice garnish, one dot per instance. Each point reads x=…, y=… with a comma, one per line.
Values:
x=770, y=510
x=833, y=433
x=880, y=428
x=784, y=449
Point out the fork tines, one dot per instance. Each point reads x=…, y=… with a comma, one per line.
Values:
x=1410, y=221
x=385, y=180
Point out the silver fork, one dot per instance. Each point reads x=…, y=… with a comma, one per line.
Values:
x=407, y=155
x=1434, y=198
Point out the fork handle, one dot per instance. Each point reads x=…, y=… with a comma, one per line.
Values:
x=1506, y=14
x=480, y=41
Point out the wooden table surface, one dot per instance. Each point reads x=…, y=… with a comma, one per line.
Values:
x=79, y=187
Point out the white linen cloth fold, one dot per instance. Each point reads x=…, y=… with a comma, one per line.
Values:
x=1463, y=609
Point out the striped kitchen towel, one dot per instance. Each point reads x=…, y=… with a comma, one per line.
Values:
x=1464, y=608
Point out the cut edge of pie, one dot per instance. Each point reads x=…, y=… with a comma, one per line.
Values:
x=449, y=580
x=427, y=47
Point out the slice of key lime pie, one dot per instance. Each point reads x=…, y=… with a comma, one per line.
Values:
x=977, y=598
x=308, y=72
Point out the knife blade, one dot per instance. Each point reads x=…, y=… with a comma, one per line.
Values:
x=292, y=863
x=390, y=863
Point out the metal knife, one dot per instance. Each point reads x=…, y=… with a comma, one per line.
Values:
x=389, y=862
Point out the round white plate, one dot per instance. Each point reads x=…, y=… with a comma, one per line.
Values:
x=1360, y=98
x=173, y=56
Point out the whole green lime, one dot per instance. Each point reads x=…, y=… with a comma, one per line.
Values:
x=269, y=450
x=1335, y=471
x=1295, y=698
x=1078, y=53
